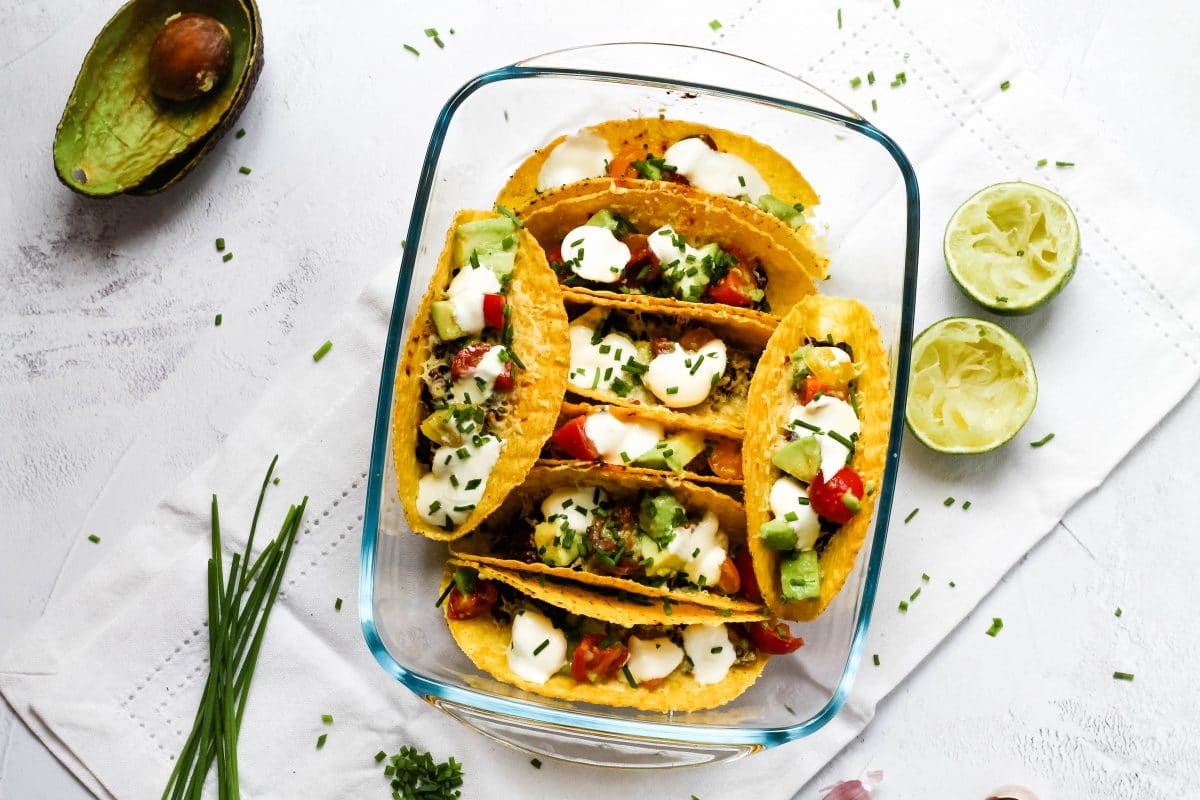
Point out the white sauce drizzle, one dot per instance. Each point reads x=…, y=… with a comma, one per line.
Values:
x=595, y=254
x=581, y=155
x=533, y=631
x=680, y=378
x=457, y=481
x=714, y=171
x=612, y=436
x=710, y=650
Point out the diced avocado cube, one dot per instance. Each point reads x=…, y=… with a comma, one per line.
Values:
x=800, y=458
x=556, y=546
x=673, y=453
x=492, y=241
x=603, y=219
x=777, y=208
x=452, y=426
x=660, y=514
x=778, y=534
x=690, y=276
x=656, y=561
x=800, y=576
x=442, y=313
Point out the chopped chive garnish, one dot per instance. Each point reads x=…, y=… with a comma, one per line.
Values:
x=1064, y=163
x=874, y=105
x=322, y=350
x=949, y=501
x=1123, y=676
x=536, y=763
x=966, y=504
x=412, y=49
x=953, y=584
x=217, y=320
x=715, y=24
x=321, y=740
x=1044, y=440
x=442, y=597
x=1004, y=86
x=240, y=133
x=871, y=78
x=997, y=626
x=1118, y=612
x=244, y=169
x=842, y=440
x=380, y=756
x=227, y=257
x=275, y=481
x=1041, y=162
x=896, y=3
x=327, y=719
x=925, y=577
x=672, y=390
x=337, y=604
x=839, y=19
x=506, y=212
x=855, y=82
x=431, y=32
x=715, y=650
x=220, y=243
x=875, y=658
x=545, y=643
x=94, y=539
x=914, y=595
x=904, y=605
x=911, y=514
x=629, y=676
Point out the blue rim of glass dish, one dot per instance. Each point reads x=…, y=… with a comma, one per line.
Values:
x=726, y=735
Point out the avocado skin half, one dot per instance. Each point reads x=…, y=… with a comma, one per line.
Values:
x=116, y=136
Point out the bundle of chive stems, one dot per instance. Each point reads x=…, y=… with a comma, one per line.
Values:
x=239, y=606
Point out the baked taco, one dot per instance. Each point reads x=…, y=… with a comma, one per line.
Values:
x=643, y=441
x=656, y=150
x=670, y=246
x=816, y=441
x=580, y=645
x=656, y=536
x=691, y=360
x=481, y=376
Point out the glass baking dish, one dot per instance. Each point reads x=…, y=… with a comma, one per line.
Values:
x=869, y=218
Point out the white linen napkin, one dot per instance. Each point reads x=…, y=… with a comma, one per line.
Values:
x=110, y=677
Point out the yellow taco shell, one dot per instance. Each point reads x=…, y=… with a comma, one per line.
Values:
x=485, y=641
x=539, y=339
x=771, y=398
x=541, y=481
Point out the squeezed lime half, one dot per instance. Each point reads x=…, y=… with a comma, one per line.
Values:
x=973, y=386
x=1012, y=246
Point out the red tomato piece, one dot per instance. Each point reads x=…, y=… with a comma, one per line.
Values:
x=554, y=254
x=573, y=440
x=773, y=638
x=622, y=164
x=813, y=386
x=467, y=359
x=735, y=288
x=493, y=310
x=661, y=345
x=469, y=606
x=695, y=338
x=505, y=381
x=745, y=568
x=730, y=580
x=725, y=458
x=828, y=498
x=591, y=662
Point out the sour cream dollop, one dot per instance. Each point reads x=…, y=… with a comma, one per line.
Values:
x=574, y=508
x=595, y=254
x=619, y=441
x=596, y=366
x=710, y=650
x=480, y=383
x=680, y=378
x=785, y=500
x=457, y=480
x=581, y=155
x=827, y=413
x=714, y=171
x=700, y=549
x=538, y=649
x=466, y=293
x=651, y=659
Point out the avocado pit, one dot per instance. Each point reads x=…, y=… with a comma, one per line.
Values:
x=189, y=57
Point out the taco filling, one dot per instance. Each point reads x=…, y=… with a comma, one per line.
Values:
x=616, y=436
x=609, y=253
x=546, y=641
x=818, y=491
x=648, y=359
x=468, y=376
x=692, y=160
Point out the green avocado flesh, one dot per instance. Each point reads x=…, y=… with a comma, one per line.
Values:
x=115, y=135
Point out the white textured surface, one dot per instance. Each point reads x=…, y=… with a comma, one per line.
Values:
x=115, y=384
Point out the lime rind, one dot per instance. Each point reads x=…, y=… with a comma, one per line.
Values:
x=1013, y=246
x=973, y=386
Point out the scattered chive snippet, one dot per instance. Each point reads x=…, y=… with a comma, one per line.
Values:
x=949, y=501
x=839, y=19
x=240, y=133
x=322, y=350
x=911, y=514
x=244, y=169
x=997, y=626
x=917, y=593
x=871, y=77
x=1043, y=441
x=1123, y=676
x=227, y=257
x=1064, y=163
x=220, y=244
x=876, y=659
x=629, y=676
x=380, y=756
x=715, y=24
x=217, y=321
x=855, y=82
x=94, y=539
x=1004, y=86
x=275, y=481
x=321, y=740
x=536, y=763
x=925, y=577
x=904, y=605
x=337, y=604
x=327, y=719
x=896, y=3
x=966, y=504
x=502, y=209
x=1041, y=162
x=1118, y=612
x=953, y=584
x=412, y=50
x=874, y=104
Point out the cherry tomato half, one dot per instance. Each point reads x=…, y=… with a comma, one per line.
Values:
x=735, y=288
x=695, y=338
x=592, y=662
x=493, y=310
x=622, y=164
x=573, y=440
x=828, y=498
x=467, y=359
x=469, y=606
x=725, y=458
x=745, y=568
x=729, y=581
x=773, y=637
